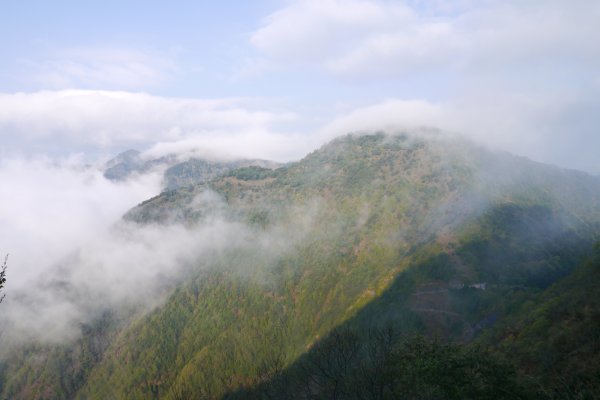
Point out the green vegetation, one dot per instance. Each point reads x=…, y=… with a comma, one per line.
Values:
x=556, y=335
x=430, y=237
x=380, y=365
x=253, y=173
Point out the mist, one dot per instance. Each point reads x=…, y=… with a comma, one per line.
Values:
x=73, y=256
x=50, y=208
x=125, y=267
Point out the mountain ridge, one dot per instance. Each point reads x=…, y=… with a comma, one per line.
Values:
x=179, y=171
x=362, y=231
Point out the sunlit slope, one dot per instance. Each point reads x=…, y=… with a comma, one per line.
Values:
x=366, y=230
x=357, y=206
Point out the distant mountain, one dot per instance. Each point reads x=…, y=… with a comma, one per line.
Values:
x=196, y=171
x=177, y=173
x=370, y=234
x=131, y=162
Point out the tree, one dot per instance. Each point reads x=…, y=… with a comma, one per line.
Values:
x=3, y=276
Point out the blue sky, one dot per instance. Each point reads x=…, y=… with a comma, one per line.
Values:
x=194, y=49
x=194, y=36
x=518, y=75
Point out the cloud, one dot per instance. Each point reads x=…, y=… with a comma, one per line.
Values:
x=117, y=119
x=388, y=115
x=99, y=67
x=312, y=30
x=368, y=39
x=50, y=206
x=72, y=257
x=559, y=129
x=118, y=268
x=553, y=126
x=251, y=144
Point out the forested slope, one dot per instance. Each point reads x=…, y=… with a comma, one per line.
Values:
x=426, y=235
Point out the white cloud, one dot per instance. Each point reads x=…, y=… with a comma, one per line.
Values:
x=560, y=129
x=370, y=38
x=389, y=115
x=117, y=268
x=72, y=257
x=99, y=67
x=556, y=127
x=49, y=207
x=398, y=52
x=104, y=118
x=309, y=31
x=262, y=144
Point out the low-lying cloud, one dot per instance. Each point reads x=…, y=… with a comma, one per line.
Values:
x=108, y=119
x=50, y=206
x=121, y=267
x=556, y=127
x=72, y=256
x=559, y=130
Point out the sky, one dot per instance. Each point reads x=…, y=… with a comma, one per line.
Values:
x=82, y=81
x=275, y=79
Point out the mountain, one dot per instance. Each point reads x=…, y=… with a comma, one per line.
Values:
x=196, y=171
x=317, y=259
x=177, y=173
x=131, y=162
x=556, y=335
